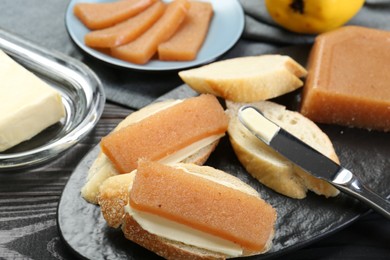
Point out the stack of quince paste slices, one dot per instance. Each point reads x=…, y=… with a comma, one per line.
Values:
x=138, y=30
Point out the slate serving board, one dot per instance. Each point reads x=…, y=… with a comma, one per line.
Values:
x=300, y=222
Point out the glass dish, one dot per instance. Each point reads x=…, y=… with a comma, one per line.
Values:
x=82, y=95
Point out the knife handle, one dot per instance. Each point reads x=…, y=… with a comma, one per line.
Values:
x=350, y=184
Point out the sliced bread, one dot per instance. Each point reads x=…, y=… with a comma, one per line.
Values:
x=247, y=79
x=115, y=193
x=268, y=166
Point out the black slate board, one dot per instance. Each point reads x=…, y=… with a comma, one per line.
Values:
x=300, y=222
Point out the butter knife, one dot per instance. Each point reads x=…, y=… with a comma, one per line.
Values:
x=309, y=159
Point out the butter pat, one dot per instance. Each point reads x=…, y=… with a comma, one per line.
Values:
x=258, y=124
x=27, y=104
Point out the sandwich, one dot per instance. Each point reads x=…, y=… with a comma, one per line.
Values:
x=169, y=132
x=186, y=211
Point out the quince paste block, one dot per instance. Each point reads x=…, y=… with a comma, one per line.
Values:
x=348, y=79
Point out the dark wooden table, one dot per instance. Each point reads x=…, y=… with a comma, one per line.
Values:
x=29, y=199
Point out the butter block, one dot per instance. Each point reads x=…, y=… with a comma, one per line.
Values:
x=27, y=104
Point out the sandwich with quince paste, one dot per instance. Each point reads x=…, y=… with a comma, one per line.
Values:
x=186, y=211
x=169, y=132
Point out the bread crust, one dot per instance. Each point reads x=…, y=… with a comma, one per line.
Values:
x=114, y=197
x=114, y=194
x=270, y=168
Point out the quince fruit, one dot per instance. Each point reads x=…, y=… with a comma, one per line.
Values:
x=312, y=16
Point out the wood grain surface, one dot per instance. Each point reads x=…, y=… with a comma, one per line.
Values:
x=29, y=199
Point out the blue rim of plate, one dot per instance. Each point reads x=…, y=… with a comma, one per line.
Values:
x=225, y=29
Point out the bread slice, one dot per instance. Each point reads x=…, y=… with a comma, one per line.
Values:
x=247, y=79
x=268, y=166
x=115, y=193
x=102, y=168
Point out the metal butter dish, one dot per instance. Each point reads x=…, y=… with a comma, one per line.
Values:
x=82, y=95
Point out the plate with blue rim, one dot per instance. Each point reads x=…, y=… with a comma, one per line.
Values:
x=225, y=29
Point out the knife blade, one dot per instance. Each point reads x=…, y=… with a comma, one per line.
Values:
x=309, y=159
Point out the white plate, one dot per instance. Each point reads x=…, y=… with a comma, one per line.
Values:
x=82, y=94
x=225, y=29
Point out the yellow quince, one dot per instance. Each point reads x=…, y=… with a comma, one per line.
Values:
x=312, y=16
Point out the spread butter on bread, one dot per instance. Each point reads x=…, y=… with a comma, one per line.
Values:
x=348, y=80
x=170, y=132
x=267, y=165
x=247, y=79
x=186, y=211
